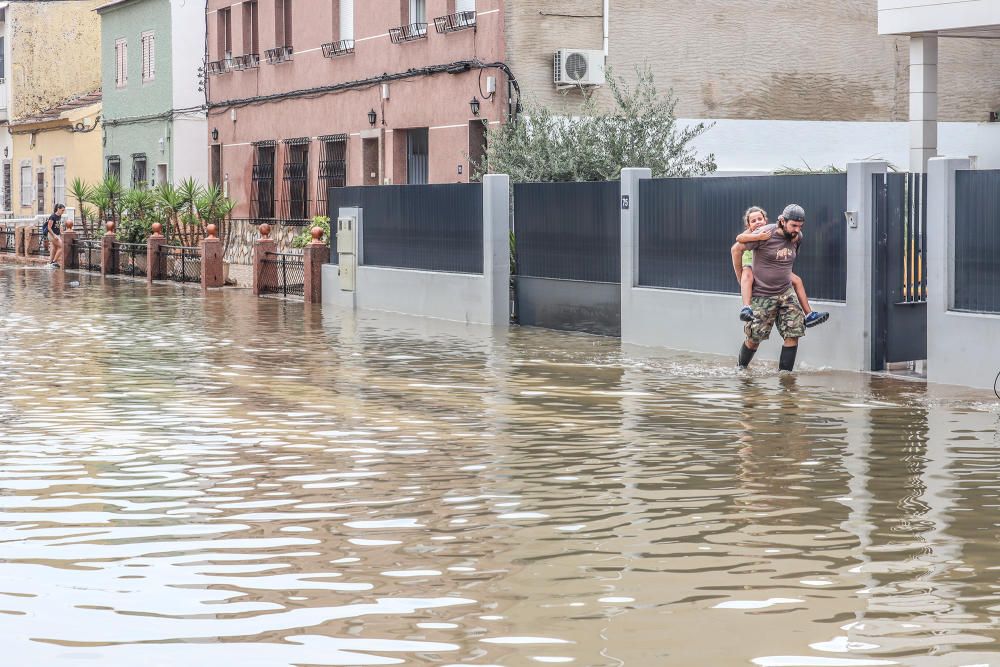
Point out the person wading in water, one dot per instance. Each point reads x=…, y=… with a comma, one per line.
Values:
x=774, y=301
x=52, y=231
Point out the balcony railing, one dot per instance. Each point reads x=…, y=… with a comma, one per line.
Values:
x=342, y=48
x=247, y=61
x=408, y=33
x=279, y=54
x=217, y=67
x=455, y=22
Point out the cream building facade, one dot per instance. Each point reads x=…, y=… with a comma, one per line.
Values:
x=786, y=84
x=50, y=90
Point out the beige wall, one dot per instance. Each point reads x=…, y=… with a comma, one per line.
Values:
x=79, y=151
x=747, y=59
x=55, y=53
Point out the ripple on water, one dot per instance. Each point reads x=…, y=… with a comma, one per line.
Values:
x=200, y=478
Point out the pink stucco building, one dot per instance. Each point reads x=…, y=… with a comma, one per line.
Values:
x=308, y=94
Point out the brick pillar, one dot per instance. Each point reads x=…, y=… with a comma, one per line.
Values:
x=107, y=249
x=261, y=247
x=316, y=254
x=155, y=264
x=69, y=247
x=31, y=241
x=19, y=242
x=211, y=260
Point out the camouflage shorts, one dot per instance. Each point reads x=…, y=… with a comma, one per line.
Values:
x=784, y=310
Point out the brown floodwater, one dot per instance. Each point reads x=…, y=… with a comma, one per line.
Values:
x=200, y=480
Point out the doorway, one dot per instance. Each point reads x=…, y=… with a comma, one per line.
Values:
x=369, y=158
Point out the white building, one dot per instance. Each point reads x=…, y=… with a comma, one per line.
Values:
x=926, y=23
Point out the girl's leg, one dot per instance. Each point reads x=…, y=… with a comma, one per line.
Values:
x=59, y=251
x=746, y=285
x=800, y=291
x=53, y=249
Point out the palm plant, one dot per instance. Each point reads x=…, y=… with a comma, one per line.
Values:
x=110, y=192
x=171, y=203
x=214, y=208
x=190, y=227
x=102, y=201
x=82, y=193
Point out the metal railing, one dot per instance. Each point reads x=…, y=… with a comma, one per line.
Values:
x=181, y=264
x=455, y=22
x=342, y=48
x=408, y=33
x=88, y=254
x=7, y=240
x=129, y=259
x=284, y=274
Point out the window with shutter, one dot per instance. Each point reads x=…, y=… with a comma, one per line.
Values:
x=121, y=63
x=59, y=184
x=148, y=56
x=346, y=20
x=465, y=5
x=26, y=184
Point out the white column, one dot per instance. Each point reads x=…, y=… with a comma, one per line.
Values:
x=859, y=255
x=923, y=100
x=630, y=244
x=496, y=246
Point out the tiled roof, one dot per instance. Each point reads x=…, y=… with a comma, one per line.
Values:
x=54, y=113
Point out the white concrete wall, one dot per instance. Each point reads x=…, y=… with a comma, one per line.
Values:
x=187, y=51
x=470, y=298
x=189, y=140
x=189, y=145
x=762, y=146
x=446, y=296
x=962, y=348
x=708, y=323
x=902, y=17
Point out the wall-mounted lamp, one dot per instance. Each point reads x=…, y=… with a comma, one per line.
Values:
x=215, y=134
x=474, y=105
x=372, y=117
x=6, y=151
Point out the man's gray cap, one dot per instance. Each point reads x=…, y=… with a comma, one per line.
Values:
x=794, y=212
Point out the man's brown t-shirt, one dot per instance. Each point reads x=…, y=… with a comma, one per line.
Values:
x=773, y=260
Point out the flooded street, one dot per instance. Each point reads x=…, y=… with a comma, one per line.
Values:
x=205, y=480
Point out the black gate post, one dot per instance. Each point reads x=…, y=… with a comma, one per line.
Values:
x=880, y=208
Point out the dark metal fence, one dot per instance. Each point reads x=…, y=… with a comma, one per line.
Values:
x=976, y=251
x=425, y=227
x=129, y=259
x=570, y=231
x=7, y=240
x=88, y=254
x=181, y=264
x=284, y=274
x=687, y=225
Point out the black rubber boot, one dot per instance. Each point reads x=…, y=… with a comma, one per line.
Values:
x=787, y=361
x=746, y=356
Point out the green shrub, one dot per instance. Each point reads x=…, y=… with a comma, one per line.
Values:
x=305, y=237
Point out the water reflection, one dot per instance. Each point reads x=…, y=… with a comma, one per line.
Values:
x=189, y=479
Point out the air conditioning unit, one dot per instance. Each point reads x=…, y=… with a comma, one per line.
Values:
x=578, y=67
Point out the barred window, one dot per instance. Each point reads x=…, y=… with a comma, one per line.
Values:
x=262, y=183
x=114, y=167
x=332, y=169
x=139, y=177
x=295, y=185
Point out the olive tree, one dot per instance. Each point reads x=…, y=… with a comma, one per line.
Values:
x=638, y=130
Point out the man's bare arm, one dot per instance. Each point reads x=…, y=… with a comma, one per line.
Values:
x=737, y=252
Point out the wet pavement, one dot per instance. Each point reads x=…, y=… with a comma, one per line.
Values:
x=191, y=479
